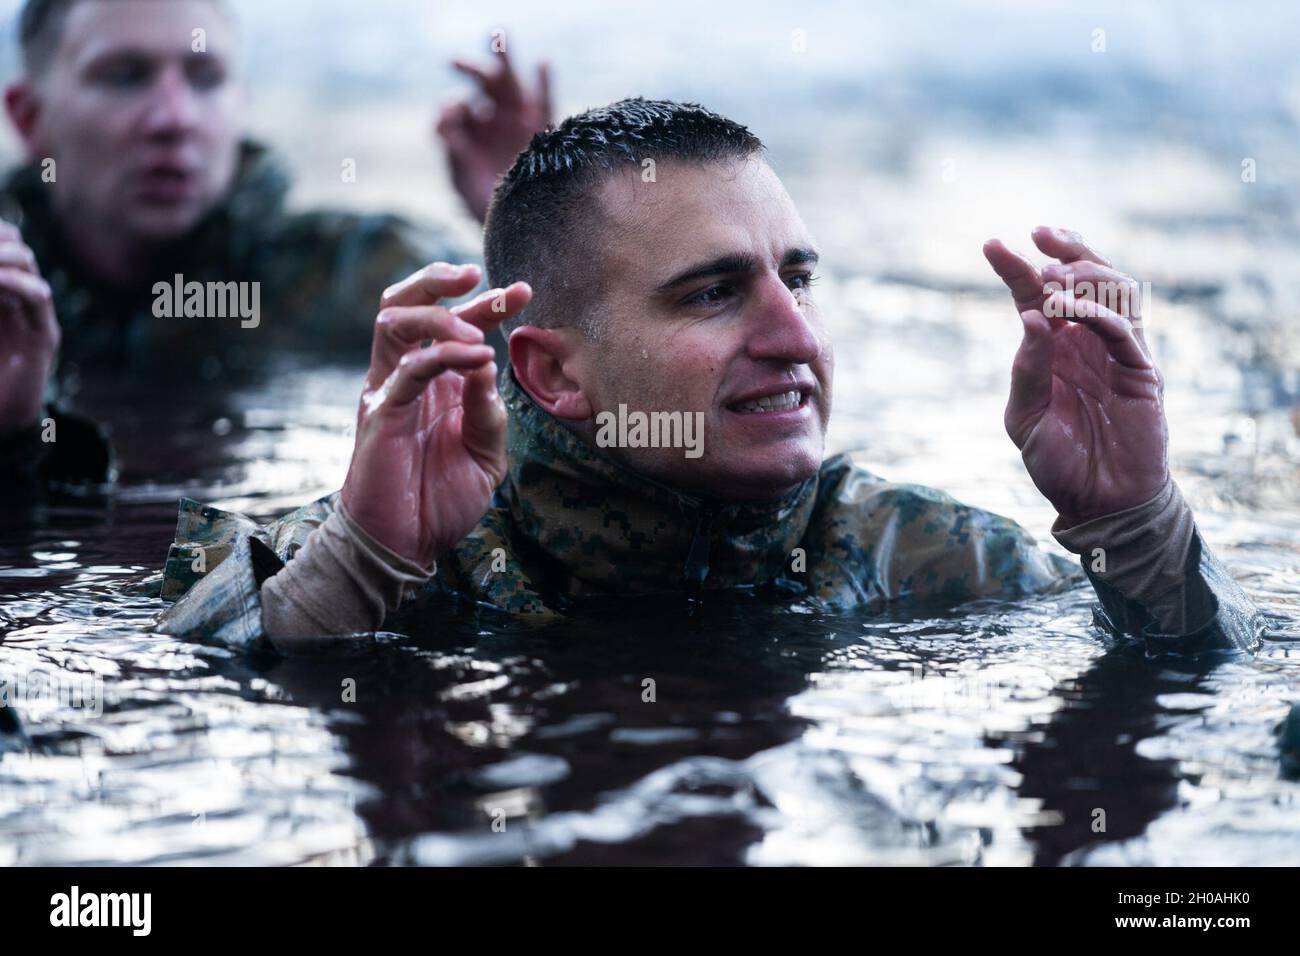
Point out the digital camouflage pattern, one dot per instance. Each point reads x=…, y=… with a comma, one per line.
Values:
x=321, y=275
x=569, y=524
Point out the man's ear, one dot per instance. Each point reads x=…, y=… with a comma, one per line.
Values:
x=23, y=104
x=544, y=363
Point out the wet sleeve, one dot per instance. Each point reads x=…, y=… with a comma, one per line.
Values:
x=311, y=577
x=224, y=606
x=1156, y=580
x=342, y=582
x=216, y=567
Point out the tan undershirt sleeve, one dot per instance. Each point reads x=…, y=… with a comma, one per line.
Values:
x=341, y=582
x=1145, y=552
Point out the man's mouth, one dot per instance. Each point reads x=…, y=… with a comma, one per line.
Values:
x=772, y=403
x=167, y=182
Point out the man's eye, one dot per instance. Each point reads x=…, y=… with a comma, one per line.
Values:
x=125, y=74
x=713, y=295
x=205, y=74
x=801, y=281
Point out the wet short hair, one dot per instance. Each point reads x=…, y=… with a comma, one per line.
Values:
x=40, y=25
x=543, y=226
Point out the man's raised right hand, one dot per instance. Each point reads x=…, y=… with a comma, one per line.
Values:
x=29, y=333
x=431, y=429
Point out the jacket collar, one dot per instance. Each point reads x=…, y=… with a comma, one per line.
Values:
x=604, y=528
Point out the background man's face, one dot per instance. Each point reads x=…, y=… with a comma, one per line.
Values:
x=706, y=307
x=143, y=130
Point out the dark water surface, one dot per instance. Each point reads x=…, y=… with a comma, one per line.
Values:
x=995, y=734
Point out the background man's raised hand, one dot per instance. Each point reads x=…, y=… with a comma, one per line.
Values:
x=29, y=333
x=1086, y=407
x=482, y=140
x=431, y=428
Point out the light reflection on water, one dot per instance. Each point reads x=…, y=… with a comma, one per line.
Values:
x=987, y=737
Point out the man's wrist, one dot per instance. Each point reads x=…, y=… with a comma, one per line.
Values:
x=397, y=563
x=1141, y=553
x=1068, y=521
x=342, y=581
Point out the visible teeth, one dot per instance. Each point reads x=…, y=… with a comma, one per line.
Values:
x=772, y=403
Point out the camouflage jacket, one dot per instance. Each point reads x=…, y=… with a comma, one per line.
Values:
x=319, y=275
x=569, y=524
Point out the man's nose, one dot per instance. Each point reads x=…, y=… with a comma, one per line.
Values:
x=781, y=330
x=173, y=104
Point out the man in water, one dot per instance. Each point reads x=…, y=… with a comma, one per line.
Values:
x=130, y=114
x=690, y=291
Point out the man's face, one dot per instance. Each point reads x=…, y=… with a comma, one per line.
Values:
x=706, y=307
x=142, y=128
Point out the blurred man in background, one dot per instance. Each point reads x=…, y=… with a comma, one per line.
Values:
x=149, y=238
